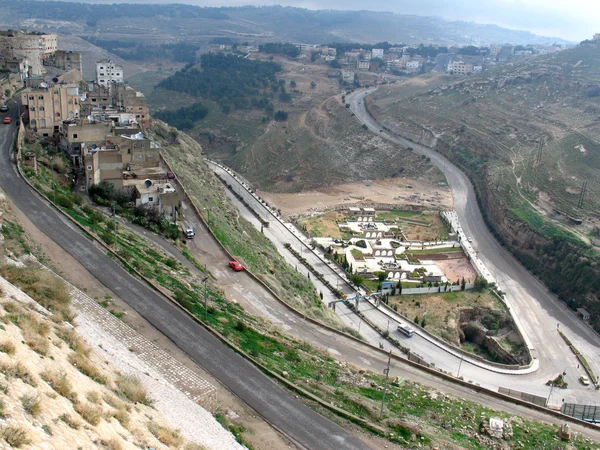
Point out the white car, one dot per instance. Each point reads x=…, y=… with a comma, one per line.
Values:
x=584, y=380
x=470, y=239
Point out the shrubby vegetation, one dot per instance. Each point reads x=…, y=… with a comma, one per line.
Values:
x=233, y=82
x=183, y=118
x=279, y=48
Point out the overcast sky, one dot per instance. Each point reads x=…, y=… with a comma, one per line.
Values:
x=570, y=19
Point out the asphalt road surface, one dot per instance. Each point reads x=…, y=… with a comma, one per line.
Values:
x=540, y=312
x=297, y=421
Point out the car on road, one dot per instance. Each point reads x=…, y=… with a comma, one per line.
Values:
x=236, y=266
x=584, y=380
x=470, y=239
x=188, y=231
x=8, y=120
x=3, y=108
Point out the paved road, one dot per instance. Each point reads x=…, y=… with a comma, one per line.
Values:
x=538, y=309
x=297, y=421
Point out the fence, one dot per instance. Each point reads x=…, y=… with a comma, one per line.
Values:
x=535, y=399
x=435, y=290
x=589, y=413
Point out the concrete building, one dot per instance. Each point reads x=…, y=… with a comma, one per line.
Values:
x=133, y=102
x=377, y=53
x=75, y=132
x=18, y=65
x=161, y=195
x=35, y=47
x=460, y=68
x=107, y=73
x=65, y=60
x=413, y=65
x=47, y=106
x=363, y=65
x=584, y=314
x=348, y=76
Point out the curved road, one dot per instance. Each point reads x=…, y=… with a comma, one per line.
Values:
x=297, y=421
x=538, y=310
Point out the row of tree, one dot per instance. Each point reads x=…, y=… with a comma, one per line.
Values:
x=279, y=48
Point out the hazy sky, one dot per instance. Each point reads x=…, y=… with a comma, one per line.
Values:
x=570, y=19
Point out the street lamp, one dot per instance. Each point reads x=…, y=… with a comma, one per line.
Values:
x=208, y=211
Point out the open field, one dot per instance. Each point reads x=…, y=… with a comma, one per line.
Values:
x=398, y=191
x=435, y=231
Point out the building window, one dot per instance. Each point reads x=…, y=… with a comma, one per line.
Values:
x=31, y=97
x=45, y=135
x=150, y=199
x=32, y=122
x=101, y=81
x=42, y=123
x=40, y=97
x=55, y=92
x=42, y=108
x=129, y=151
x=74, y=135
x=32, y=109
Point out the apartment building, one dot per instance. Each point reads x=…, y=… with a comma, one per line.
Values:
x=47, y=106
x=107, y=73
x=460, y=68
x=133, y=102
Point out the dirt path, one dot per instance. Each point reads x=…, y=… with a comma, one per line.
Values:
x=400, y=191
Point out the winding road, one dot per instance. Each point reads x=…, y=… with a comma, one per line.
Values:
x=298, y=422
x=539, y=311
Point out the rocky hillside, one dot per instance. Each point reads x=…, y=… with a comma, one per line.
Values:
x=325, y=146
x=528, y=135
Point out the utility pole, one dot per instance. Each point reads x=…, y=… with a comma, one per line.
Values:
x=459, y=364
x=54, y=190
x=387, y=375
x=115, y=222
x=205, y=301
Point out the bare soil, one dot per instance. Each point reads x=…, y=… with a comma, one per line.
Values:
x=398, y=191
x=457, y=269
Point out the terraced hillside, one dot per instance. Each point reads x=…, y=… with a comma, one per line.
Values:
x=528, y=135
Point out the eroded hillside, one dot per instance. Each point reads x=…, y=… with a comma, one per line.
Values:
x=326, y=146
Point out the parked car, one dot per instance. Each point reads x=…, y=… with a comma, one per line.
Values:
x=8, y=120
x=188, y=231
x=584, y=380
x=236, y=266
x=3, y=108
x=470, y=239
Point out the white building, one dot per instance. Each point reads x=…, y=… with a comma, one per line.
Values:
x=377, y=53
x=460, y=68
x=363, y=65
x=413, y=65
x=107, y=72
x=477, y=69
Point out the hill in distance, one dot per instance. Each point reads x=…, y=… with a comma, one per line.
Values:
x=187, y=22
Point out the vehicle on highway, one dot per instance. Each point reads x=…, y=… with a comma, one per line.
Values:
x=406, y=330
x=8, y=120
x=584, y=380
x=188, y=231
x=236, y=266
x=3, y=108
x=470, y=239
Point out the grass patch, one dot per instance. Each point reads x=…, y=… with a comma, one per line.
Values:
x=15, y=436
x=18, y=370
x=131, y=388
x=43, y=287
x=73, y=340
x=90, y=413
x=60, y=383
x=31, y=404
x=165, y=435
x=8, y=347
x=70, y=421
x=86, y=367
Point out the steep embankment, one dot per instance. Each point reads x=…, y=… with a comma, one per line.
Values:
x=239, y=236
x=325, y=146
x=528, y=136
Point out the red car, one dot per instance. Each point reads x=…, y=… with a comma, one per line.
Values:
x=236, y=266
x=8, y=120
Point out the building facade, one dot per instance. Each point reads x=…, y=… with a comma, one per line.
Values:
x=35, y=47
x=47, y=106
x=107, y=72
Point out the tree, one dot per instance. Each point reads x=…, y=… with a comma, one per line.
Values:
x=480, y=284
x=463, y=284
x=293, y=83
x=281, y=116
x=416, y=319
x=423, y=323
x=313, y=84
